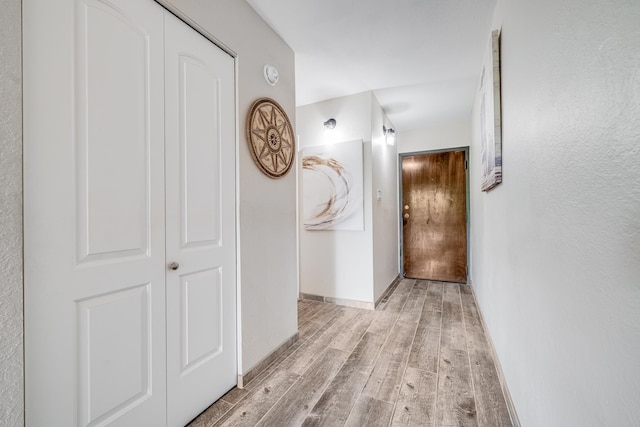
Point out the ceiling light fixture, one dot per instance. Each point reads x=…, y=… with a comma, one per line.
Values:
x=389, y=135
x=330, y=124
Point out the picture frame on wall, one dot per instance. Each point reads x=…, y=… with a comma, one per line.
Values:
x=491, y=115
x=333, y=187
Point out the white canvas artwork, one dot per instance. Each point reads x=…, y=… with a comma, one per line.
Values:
x=490, y=116
x=332, y=187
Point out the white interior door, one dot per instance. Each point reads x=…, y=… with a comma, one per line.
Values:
x=94, y=213
x=200, y=182
x=102, y=215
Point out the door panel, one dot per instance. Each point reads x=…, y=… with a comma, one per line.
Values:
x=200, y=157
x=201, y=307
x=100, y=397
x=94, y=213
x=113, y=133
x=434, y=216
x=199, y=121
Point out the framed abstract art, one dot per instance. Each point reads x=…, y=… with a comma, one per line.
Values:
x=332, y=187
x=490, y=116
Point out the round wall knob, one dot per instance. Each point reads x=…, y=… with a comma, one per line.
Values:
x=174, y=266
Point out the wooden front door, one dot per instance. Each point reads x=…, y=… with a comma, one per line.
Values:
x=434, y=216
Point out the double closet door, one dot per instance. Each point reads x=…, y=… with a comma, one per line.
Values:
x=129, y=205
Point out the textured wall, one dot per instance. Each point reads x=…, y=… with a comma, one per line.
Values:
x=556, y=246
x=11, y=359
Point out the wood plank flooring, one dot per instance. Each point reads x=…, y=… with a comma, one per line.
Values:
x=421, y=359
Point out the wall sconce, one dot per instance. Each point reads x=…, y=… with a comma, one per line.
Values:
x=330, y=124
x=389, y=135
x=271, y=75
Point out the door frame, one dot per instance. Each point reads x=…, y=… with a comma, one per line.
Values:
x=467, y=208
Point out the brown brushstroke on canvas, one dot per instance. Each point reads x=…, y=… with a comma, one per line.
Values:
x=434, y=216
x=334, y=206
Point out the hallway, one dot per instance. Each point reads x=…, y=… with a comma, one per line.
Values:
x=420, y=359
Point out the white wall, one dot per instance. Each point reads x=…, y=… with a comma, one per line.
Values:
x=267, y=207
x=11, y=360
x=353, y=265
x=338, y=264
x=556, y=246
x=384, y=177
x=453, y=134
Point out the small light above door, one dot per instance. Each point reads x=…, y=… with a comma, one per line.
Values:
x=389, y=135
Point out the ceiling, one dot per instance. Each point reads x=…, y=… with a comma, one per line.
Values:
x=421, y=58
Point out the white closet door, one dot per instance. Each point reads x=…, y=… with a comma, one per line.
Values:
x=94, y=213
x=200, y=197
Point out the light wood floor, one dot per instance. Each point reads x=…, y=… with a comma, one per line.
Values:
x=420, y=359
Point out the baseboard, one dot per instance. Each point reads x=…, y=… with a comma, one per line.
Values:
x=265, y=362
x=392, y=286
x=503, y=384
x=339, y=301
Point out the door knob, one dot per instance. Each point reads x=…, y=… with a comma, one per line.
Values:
x=406, y=216
x=174, y=266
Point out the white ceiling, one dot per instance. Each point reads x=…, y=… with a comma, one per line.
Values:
x=422, y=58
